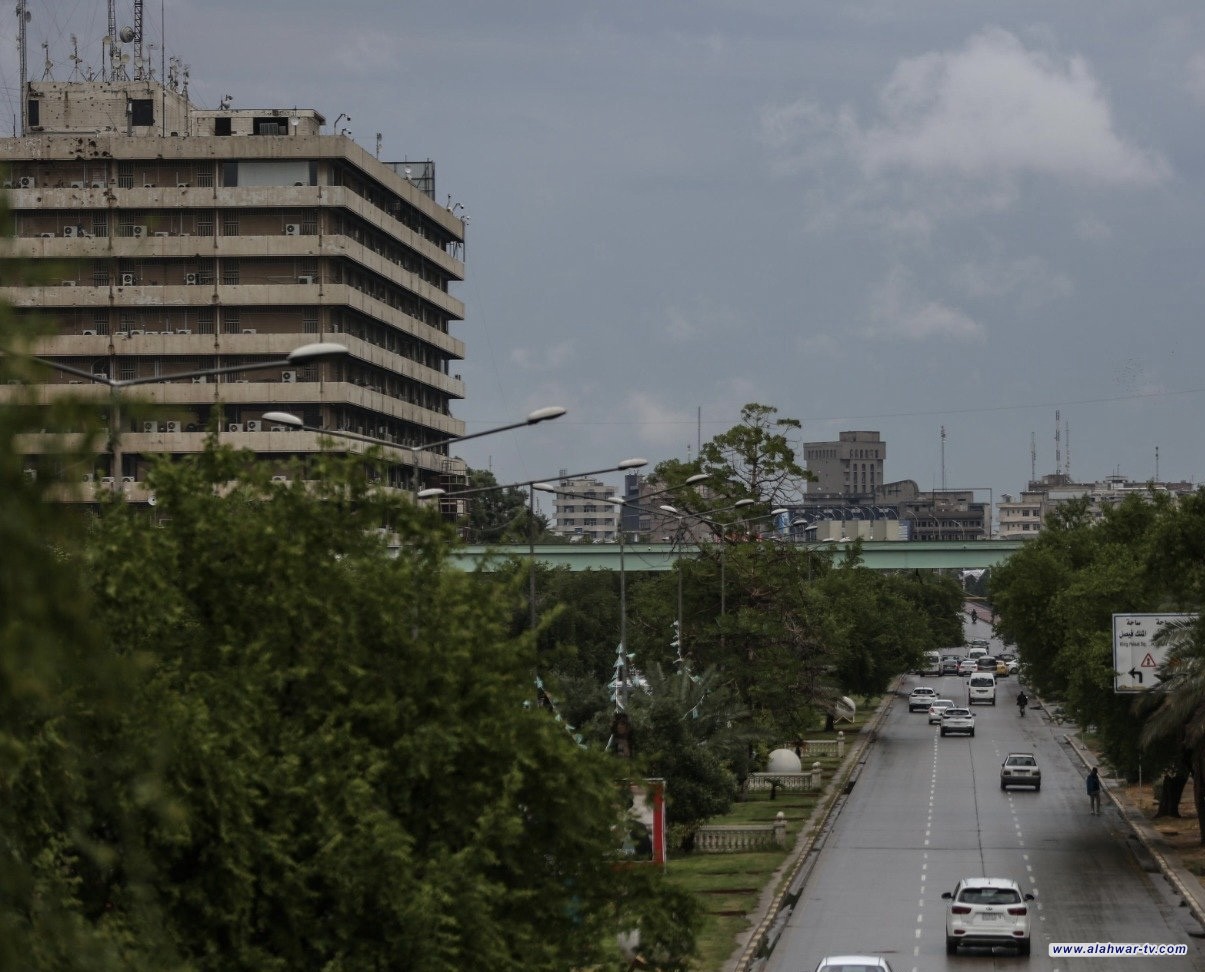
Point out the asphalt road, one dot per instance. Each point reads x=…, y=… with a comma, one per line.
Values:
x=927, y=811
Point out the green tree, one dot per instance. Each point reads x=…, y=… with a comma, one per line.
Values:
x=756, y=457
x=500, y=514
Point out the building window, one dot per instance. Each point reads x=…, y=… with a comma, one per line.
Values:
x=232, y=322
x=230, y=272
x=125, y=175
x=230, y=223
x=205, y=322
x=142, y=111
x=204, y=224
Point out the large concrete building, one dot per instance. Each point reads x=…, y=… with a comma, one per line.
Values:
x=167, y=239
x=851, y=466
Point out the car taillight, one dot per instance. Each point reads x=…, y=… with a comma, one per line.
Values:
x=960, y=910
x=1018, y=911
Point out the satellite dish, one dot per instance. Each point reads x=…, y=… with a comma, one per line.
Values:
x=127, y=34
x=845, y=709
x=150, y=500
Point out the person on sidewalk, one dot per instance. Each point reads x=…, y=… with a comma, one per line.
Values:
x=1094, y=791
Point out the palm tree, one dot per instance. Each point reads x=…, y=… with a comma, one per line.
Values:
x=1179, y=712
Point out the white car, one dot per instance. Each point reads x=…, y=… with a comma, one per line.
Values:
x=987, y=912
x=853, y=963
x=967, y=666
x=956, y=719
x=937, y=707
x=920, y=699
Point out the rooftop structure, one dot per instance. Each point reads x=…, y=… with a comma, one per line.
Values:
x=159, y=238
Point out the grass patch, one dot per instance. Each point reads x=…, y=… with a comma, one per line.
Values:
x=730, y=886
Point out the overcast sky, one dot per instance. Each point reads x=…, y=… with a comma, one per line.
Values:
x=868, y=214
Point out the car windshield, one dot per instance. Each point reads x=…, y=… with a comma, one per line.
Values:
x=1022, y=761
x=957, y=713
x=989, y=896
x=942, y=703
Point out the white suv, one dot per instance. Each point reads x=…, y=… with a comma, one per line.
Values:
x=921, y=698
x=987, y=912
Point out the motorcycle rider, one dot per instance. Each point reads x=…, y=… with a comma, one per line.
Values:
x=1022, y=702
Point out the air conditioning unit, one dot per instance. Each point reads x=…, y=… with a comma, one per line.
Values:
x=68, y=283
x=182, y=185
x=77, y=185
x=136, y=332
x=87, y=477
x=8, y=183
x=148, y=185
x=69, y=231
x=88, y=332
x=191, y=427
x=98, y=185
x=46, y=236
x=27, y=182
x=74, y=381
x=163, y=233
x=199, y=380
x=150, y=426
x=292, y=229
x=171, y=427
x=288, y=377
x=248, y=330
x=126, y=480
x=280, y=479
x=254, y=425
x=122, y=334
x=107, y=480
x=280, y=428
x=100, y=376
x=127, y=280
x=182, y=330
x=234, y=427
x=190, y=278
x=138, y=232
x=306, y=278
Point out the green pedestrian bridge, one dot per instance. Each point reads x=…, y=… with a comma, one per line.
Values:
x=876, y=554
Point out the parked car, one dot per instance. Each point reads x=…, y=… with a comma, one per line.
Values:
x=937, y=707
x=987, y=911
x=1020, y=769
x=956, y=719
x=853, y=963
x=921, y=698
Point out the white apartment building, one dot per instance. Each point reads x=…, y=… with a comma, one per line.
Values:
x=582, y=512
x=1023, y=517
x=164, y=238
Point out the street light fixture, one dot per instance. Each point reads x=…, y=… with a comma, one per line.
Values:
x=306, y=354
x=533, y=418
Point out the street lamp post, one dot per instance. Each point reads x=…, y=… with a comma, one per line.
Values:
x=533, y=418
x=306, y=354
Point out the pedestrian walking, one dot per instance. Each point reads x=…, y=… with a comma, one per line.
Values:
x=1094, y=791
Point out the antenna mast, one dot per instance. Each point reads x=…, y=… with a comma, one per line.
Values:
x=1067, y=446
x=138, y=59
x=1058, y=450
x=22, y=20
x=1156, y=464
x=112, y=73
x=1033, y=459
x=943, y=458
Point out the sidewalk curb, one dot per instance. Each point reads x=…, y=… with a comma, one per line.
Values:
x=791, y=877
x=1183, y=882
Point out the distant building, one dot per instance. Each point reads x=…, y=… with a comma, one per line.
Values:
x=1023, y=517
x=582, y=511
x=164, y=238
x=851, y=466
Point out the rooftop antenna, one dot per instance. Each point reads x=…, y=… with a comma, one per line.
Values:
x=1156, y=464
x=1033, y=459
x=943, y=458
x=378, y=146
x=139, y=60
x=112, y=39
x=1067, y=446
x=47, y=63
x=76, y=73
x=22, y=20
x=1058, y=448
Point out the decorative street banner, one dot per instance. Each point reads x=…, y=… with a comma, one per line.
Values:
x=1136, y=657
